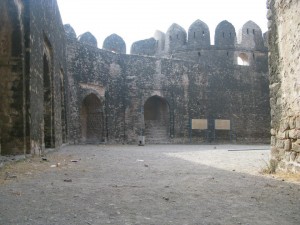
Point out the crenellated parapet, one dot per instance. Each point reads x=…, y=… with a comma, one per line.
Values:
x=160, y=38
x=199, y=35
x=88, y=38
x=175, y=38
x=247, y=48
x=57, y=87
x=115, y=44
x=70, y=32
x=250, y=36
x=225, y=36
x=144, y=47
x=196, y=43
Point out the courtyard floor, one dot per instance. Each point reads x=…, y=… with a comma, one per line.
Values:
x=153, y=184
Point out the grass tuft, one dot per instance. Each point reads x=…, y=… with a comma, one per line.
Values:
x=271, y=167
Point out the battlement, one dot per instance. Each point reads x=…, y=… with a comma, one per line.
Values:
x=247, y=48
x=113, y=42
x=176, y=39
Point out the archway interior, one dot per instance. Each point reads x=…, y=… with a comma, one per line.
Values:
x=49, y=135
x=156, y=116
x=63, y=108
x=243, y=60
x=92, y=120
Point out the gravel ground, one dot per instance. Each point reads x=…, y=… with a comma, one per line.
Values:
x=155, y=184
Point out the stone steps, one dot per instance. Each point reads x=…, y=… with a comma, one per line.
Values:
x=156, y=133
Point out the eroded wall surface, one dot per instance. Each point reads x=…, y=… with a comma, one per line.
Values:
x=32, y=79
x=284, y=67
x=13, y=98
x=219, y=89
x=57, y=87
x=47, y=74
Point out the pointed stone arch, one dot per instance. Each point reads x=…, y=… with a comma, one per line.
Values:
x=48, y=100
x=243, y=59
x=92, y=119
x=64, y=129
x=157, y=120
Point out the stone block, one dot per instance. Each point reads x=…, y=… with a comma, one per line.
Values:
x=298, y=122
x=281, y=153
x=274, y=151
x=290, y=168
x=287, y=156
x=287, y=145
x=273, y=132
x=293, y=156
x=282, y=135
x=284, y=125
x=297, y=169
x=298, y=134
x=280, y=144
x=296, y=146
x=274, y=88
x=273, y=141
x=293, y=134
x=281, y=165
x=297, y=158
x=292, y=123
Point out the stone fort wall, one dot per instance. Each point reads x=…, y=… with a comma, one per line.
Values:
x=32, y=79
x=215, y=87
x=284, y=46
x=59, y=88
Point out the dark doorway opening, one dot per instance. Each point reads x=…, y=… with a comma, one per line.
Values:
x=157, y=120
x=49, y=131
x=92, y=120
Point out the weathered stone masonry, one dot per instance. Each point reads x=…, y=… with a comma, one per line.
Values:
x=57, y=87
x=32, y=76
x=13, y=98
x=183, y=80
x=284, y=67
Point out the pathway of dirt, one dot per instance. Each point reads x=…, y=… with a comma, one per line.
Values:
x=155, y=184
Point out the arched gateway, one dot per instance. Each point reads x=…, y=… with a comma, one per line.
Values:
x=157, y=120
x=92, y=120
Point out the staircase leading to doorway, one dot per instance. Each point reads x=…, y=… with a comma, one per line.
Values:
x=156, y=132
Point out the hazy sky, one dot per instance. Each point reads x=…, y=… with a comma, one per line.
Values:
x=136, y=20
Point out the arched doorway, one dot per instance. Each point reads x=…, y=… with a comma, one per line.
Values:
x=157, y=120
x=92, y=120
x=243, y=59
x=48, y=112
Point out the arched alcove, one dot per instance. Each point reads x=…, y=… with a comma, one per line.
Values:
x=48, y=112
x=243, y=59
x=92, y=120
x=157, y=120
x=63, y=108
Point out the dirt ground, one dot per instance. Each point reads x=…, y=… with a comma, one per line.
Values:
x=155, y=184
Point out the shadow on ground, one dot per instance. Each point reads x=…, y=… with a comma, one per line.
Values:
x=158, y=184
